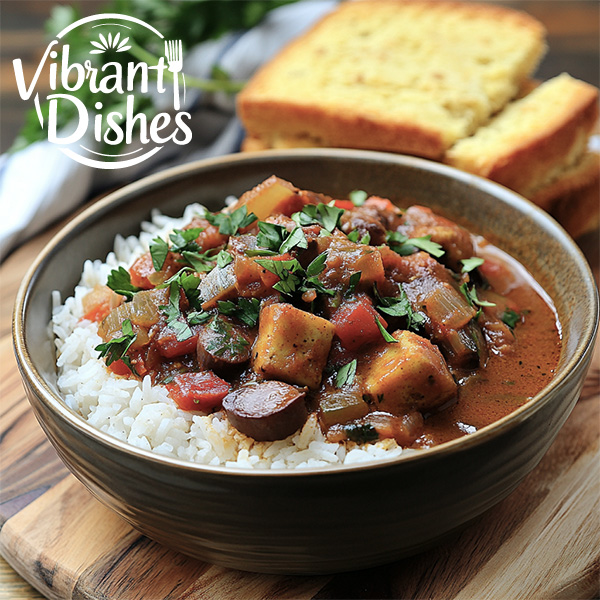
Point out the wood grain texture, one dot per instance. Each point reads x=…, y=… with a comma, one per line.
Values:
x=541, y=542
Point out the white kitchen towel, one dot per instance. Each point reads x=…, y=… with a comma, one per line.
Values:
x=41, y=184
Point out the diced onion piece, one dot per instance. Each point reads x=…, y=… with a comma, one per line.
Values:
x=446, y=306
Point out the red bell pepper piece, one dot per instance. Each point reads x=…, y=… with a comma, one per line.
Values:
x=201, y=391
x=356, y=324
x=345, y=204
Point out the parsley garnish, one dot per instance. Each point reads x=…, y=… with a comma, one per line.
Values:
x=345, y=376
x=471, y=295
x=286, y=270
x=116, y=349
x=358, y=197
x=228, y=339
x=159, y=249
x=352, y=283
x=119, y=280
x=296, y=239
x=185, y=239
x=201, y=262
x=469, y=264
x=386, y=336
x=404, y=245
x=224, y=258
x=317, y=265
x=326, y=215
x=400, y=307
x=246, y=309
x=510, y=318
x=353, y=236
x=230, y=224
x=361, y=434
x=270, y=236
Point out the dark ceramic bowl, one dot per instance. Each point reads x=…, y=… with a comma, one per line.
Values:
x=326, y=519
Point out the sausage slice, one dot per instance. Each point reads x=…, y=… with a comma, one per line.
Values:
x=266, y=411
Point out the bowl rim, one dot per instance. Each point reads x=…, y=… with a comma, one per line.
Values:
x=56, y=404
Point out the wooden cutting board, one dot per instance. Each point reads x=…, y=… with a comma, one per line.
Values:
x=543, y=541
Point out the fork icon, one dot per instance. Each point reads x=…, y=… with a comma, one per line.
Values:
x=174, y=55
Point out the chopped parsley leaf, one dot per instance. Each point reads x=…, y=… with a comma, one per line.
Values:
x=326, y=215
x=510, y=317
x=116, y=349
x=361, y=433
x=358, y=197
x=345, y=376
x=352, y=283
x=159, y=249
x=296, y=239
x=201, y=262
x=404, y=245
x=400, y=307
x=270, y=236
x=471, y=295
x=469, y=264
x=246, y=310
x=230, y=224
x=224, y=258
x=386, y=336
x=119, y=280
x=317, y=265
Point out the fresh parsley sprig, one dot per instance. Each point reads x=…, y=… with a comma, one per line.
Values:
x=400, y=307
x=404, y=245
x=116, y=349
x=119, y=280
x=326, y=215
x=345, y=376
x=246, y=310
x=230, y=224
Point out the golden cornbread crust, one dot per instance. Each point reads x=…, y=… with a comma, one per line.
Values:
x=534, y=139
x=407, y=76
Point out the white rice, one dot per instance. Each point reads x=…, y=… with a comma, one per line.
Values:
x=143, y=415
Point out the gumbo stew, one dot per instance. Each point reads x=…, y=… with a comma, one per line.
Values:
x=385, y=322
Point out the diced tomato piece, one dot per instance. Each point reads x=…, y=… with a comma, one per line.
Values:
x=119, y=368
x=202, y=391
x=98, y=312
x=345, y=204
x=169, y=346
x=356, y=324
x=99, y=302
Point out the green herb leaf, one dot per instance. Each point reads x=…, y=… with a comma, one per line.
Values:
x=358, y=197
x=365, y=239
x=404, y=245
x=471, y=295
x=116, y=349
x=354, y=235
x=386, y=336
x=345, y=376
x=510, y=318
x=469, y=264
x=327, y=215
x=296, y=239
x=196, y=317
x=400, y=307
x=185, y=239
x=224, y=258
x=119, y=280
x=159, y=249
x=288, y=272
x=361, y=433
x=201, y=262
x=246, y=310
x=230, y=224
x=261, y=252
x=352, y=283
x=270, y=236
x=317, y=265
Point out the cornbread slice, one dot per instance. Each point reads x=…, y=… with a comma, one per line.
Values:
x=410, y=76
x=533, y=140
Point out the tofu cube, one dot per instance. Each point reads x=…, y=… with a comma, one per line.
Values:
x=292, y=345
x=407, y=375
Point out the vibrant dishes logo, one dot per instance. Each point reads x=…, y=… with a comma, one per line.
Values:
x=130, y=136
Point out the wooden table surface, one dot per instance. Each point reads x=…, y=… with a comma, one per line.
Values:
x=540, y=530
